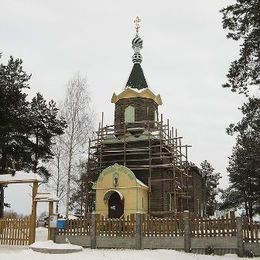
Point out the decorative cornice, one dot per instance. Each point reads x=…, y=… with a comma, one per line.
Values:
x=119, y=169
x=131, y=93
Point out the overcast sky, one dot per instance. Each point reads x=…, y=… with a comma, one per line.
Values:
x=185, y=59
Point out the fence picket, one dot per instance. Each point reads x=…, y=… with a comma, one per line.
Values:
x=14, y=231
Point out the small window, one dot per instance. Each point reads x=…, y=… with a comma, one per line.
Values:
x=129, y=114
x=155, y=115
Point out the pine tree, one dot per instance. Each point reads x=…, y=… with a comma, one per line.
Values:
x=242, y=19
x=13, y=119
x=45, y=125
x=211, y=190
x=13, y=115
x=82, y=198
x=26, y=129
x=244, y=163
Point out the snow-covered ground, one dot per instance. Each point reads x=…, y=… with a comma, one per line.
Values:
x=101, y=254
x=23, y=253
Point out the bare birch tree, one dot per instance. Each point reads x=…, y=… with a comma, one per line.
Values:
x=79, y=117
x=57, y=181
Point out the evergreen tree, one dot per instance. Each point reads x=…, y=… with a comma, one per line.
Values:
x=244, y=163
x=82, y=198
x=13, y=119
x=13, y=116
x=26, y=129
x=242, y=19
x=211, y=190
x=45, y=125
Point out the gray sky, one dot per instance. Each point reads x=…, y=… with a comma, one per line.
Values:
x=185, y=59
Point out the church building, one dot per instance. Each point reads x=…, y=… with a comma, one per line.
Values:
x=139, y=163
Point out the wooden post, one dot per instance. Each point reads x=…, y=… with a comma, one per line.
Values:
x=150, y=168
x=168, y=131
x=240, y=243
x=138, y=228
x=187, y=234
x=174, y=191
x=51, y=231
x=33, y=214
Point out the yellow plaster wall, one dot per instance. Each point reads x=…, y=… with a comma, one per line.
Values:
x=131, y=189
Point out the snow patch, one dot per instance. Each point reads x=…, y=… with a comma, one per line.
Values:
x=49, y=244
x=104, y=254
x=20, y=177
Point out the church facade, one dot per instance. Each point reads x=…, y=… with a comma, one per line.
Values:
x=139, y=163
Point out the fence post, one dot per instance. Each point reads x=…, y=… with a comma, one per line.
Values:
x=33, y=214
x=93, y=231
x=187, y=234
x=138, y=228
x=51, y=230
x=240, y=244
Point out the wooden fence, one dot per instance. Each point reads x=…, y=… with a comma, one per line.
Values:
x=218, y=227
x=151, y=227
x=14, y=231
x=184, y=232
x=154, y=227
x=123, y=227
x=200, y=227
x=251, y=230
x=76, y=227
x=162, y=227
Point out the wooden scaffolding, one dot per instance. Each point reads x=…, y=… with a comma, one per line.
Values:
x=155, y=153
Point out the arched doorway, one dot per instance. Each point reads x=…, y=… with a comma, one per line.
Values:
x=115, y=203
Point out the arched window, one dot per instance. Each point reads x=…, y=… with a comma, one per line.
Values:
x=130, y=114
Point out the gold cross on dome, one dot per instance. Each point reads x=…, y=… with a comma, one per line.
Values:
x=137, y=23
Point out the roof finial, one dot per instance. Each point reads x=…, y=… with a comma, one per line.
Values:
x=137, y=25
x=137, y=43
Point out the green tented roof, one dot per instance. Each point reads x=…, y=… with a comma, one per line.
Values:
x=136, y=78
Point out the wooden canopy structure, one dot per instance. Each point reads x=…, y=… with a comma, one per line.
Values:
x=21, y=177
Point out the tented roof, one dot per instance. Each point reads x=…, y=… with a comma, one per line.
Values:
x=137, y=79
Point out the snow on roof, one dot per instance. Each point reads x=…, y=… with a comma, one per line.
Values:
x=20, y=177
x=70, y=216
x=47, y=196
x=136, y=89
